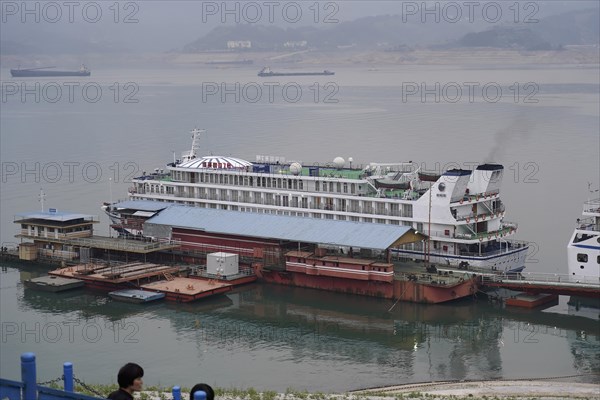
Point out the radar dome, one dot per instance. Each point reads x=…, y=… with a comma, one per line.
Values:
x=295, y=168
x=339, y=162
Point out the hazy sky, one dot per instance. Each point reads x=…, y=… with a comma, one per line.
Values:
x=167, y=25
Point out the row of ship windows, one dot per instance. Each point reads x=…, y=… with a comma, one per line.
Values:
x=311, y=202
x=267, y=182
x=583, y=258
x=360, y=206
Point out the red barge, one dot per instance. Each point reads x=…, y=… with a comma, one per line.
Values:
x=370, y=278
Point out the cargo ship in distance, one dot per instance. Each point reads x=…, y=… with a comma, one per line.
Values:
x=266, y=72
x=47, y=72
x=461, y=211
x=229, y=62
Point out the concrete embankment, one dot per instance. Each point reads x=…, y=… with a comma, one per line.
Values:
x=505, y=389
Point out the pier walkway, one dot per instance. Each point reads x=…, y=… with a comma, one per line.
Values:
x=531, y=282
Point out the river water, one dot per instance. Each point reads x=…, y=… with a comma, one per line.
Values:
x=543, y=127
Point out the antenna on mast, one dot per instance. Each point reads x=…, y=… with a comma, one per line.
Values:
x=193, y=153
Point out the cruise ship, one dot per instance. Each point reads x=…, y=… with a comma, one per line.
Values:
x=460, y=210
x=583, y=250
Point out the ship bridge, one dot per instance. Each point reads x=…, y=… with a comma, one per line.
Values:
x=215, y=162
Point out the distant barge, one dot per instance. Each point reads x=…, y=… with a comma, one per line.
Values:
x=47, y=72
x=230, y=62
x=266, y=72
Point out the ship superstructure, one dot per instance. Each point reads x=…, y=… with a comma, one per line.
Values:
x=460, y=210
x=584, y=247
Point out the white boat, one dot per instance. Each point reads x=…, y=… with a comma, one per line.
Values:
x=461, y=211
x=584, y=247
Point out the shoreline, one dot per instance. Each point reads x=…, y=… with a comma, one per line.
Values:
x=571, y=55
x=542, y=389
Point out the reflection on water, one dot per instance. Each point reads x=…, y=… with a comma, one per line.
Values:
x=325, y=341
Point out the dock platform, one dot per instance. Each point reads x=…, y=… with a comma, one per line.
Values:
x=54, y=283
x=188, y=289
x=116, y=276
x=136, y=296
x=526, y=300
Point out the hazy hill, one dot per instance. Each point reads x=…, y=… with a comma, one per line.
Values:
x=505, y=38
x=391, y=32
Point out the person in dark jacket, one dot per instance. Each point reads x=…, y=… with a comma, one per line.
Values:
x=210, y=393
x=130, y=380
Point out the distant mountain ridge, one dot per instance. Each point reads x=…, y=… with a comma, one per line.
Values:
x=389, y=32
x=392, y=32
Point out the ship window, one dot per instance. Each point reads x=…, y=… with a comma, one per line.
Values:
x=581, y=266
x=339, y=187
x=345, y=188
x=581, y=257
x=598, y=259
x=324, y=186
x=352, y=188
x=301, y=185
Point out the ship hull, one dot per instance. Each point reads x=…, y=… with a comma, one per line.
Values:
x=397, y=290
x=511, y=261
x=23, y=73
x=269, y=74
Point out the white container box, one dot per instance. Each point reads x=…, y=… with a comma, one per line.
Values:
x=223, y=264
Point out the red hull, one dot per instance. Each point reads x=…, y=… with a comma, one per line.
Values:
x=432, y=294
x=402, y=290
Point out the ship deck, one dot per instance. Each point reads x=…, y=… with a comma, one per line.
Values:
x=112, y=277
x=415, y=271
x=188, y=289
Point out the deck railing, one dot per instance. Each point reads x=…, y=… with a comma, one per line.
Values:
x=559, y=279
x=28, y=388
x=592, y=206
x=588, y=224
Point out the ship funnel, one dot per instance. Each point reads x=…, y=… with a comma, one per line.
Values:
x=486, y=178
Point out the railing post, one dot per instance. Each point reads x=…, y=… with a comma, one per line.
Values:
x=68, y=376
x=200, y=395
x=28, y=376
x=176, y=393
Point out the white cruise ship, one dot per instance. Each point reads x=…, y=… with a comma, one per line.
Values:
x=460, y=210
x=583, y=250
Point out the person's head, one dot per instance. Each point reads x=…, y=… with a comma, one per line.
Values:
x=210, y=393
x=130, y=377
